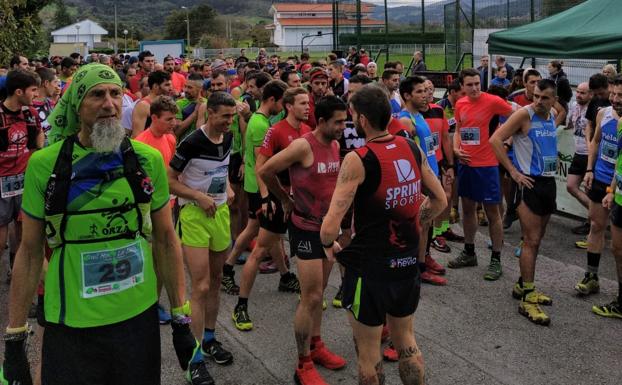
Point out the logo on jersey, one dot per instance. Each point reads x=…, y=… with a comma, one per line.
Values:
x=331, y=167
x=304, y=247
x=404, y=170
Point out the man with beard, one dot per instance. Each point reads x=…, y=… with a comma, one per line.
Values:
x=146, y=60
x=312, y=157
x=318, y=81
x=98, y=197
x=159, y=84
x=177, y=80
x=385, y=181
x=189, y=106
x=602, y=158
x=533, y=167
x=21, y=134
x=391, y=80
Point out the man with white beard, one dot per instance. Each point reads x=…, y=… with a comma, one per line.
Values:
x=98, y=198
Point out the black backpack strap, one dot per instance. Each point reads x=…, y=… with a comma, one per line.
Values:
x=4, y=132
x=59, y=183
x=139, y=181
x=31, y=127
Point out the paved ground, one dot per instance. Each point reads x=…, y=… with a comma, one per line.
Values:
x=469, y=331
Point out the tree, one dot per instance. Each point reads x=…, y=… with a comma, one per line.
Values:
x=202, y=21
x=260, y=35
x=551, y=7
x=62, y=18
x=20, y=26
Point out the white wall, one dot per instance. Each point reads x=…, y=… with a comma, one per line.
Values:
x=293, y=35
x=88, y=39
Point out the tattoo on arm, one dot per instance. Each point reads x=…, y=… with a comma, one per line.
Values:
x=425, y=212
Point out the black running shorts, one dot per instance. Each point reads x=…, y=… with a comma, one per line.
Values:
x=125, y=353
x=597, y=192
x=616, y=215
x=370, y=300
x=254, y=205
x=541, y=199
x=578, y=165
x=235, y=161
x=305, y=244
x=276, y=224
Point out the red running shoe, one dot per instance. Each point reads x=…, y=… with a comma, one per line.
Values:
x=385, y=334
x=433, y=279
x=389, y=353
x=432, y=266
x=322, y=356
x=439, y=244
x=308, y=375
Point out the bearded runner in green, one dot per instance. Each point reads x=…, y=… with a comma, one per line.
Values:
x=98, y=198
x=613, y=202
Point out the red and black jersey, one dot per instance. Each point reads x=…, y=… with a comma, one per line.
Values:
x=16, y=127
x=386, y=206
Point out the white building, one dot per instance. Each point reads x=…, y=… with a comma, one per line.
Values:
x=85, y=31
x=293, y=21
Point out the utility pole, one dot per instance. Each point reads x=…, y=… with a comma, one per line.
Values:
x=187, y=25
x=386, y=31
x=358, y=25
x=116, y=43
x=423, y=27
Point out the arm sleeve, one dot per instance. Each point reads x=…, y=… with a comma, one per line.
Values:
x=182, y=156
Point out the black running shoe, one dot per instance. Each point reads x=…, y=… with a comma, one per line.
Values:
x=228, y=284
x=215, y=351
x=197, y=374
x=289, y=283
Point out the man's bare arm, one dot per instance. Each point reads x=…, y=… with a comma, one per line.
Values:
x=351, y=175
x=296, y=152
x=26, y=270
x=139, y=118
x=167, y=255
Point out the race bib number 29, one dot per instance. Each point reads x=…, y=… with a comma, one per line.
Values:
x=111, y=271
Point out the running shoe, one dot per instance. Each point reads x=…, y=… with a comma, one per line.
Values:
x=337, y=301
x=481, y=218
x=384, y=337
x=494, y=271
x=197, y=374
x=241, y=319
x=308, y=375
x=163, y=315
x=432, y=266
x=450, y=236
x=534, y=313
x=588, y=285
x=216, y=352
x=508, y=219
x=534, y=297
x=463, y=260
x=228, y=284
x=289, y=283
x=267, y=267
x=454, y=215
x=322, y=356
x=611, y=310
x=439, y=244
x=582, y=229
x=582, y=244
x=519, y=249
x=389, y=353
x=433, y=279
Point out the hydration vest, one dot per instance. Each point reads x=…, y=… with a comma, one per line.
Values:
x=59, y=185
x=31, y=127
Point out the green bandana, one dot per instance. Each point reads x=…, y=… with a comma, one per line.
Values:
x=65, y=120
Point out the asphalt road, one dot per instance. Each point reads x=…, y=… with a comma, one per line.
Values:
x=469, y=331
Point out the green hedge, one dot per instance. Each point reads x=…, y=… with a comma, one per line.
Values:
x=394, y=38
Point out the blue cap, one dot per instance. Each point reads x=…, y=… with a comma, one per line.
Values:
x=232, y=72
x=2, y=82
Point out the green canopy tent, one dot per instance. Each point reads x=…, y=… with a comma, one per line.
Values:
x=588, y=30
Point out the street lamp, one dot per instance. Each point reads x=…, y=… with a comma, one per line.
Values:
x=125, y=34
x=187, y=25
x=78, y=37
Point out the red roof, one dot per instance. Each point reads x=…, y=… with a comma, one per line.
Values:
x=322, y=7
x=325, y=21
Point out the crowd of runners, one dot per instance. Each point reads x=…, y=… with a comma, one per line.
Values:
x=121, y=176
